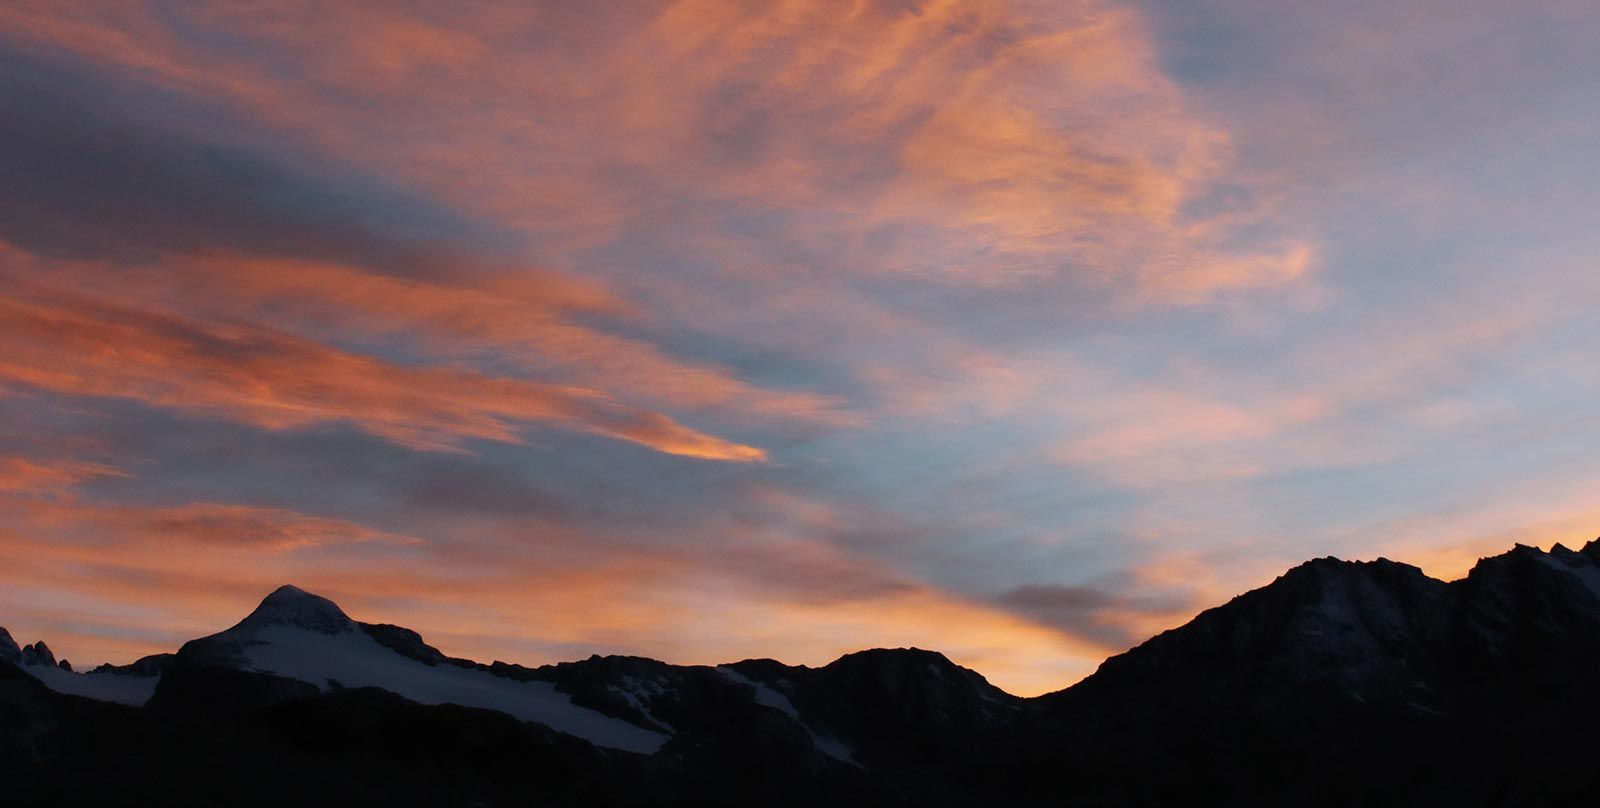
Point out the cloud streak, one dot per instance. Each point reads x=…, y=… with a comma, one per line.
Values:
x=49, y=476
x=983, y=144
x=69, y=343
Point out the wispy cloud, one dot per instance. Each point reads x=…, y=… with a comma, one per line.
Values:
x=49, y=476
x=987, y=144
x=70, y=343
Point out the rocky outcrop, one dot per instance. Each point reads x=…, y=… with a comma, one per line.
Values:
x=8, y=648
x=37, y=653
x=403, y=641
x=153, y=665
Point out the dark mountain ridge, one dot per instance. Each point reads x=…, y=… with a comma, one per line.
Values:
x=1338, y=683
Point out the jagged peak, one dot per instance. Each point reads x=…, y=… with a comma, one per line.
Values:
x=1591, y=551
x=1575, y=557
x=290, y=605
x=405, y=642
x=1316, y=566
x=9, y=650
x=1557, y=554
x=37, y=653
x=1383, y=568
x=1325, y=561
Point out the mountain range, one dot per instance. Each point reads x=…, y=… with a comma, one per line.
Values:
x=1338, y=683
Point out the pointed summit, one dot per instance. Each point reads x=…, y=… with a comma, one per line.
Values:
x=293, y=606
x=8, y=648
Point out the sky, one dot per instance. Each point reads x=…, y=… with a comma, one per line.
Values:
x=707, y=330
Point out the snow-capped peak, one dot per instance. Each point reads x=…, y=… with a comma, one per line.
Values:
x=294, y=634
x=292, y=606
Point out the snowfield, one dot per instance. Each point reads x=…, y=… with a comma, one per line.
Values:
x=121, y=688
x=353, y=659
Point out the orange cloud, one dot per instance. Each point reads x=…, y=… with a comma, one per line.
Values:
x=525, y=318
x=22, y=475
x=73, y=344
x=1211, y=423
x=1151, y=438
x=195, y=527
x=269, y=529
x=986, y=143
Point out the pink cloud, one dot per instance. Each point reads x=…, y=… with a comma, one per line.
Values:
x=79, y=345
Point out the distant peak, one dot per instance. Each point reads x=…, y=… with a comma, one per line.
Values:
x=1380, y=566
x=1558, y=553
x=38, y=653
x=1591, y=551
x=289, y=593
x=292, y=606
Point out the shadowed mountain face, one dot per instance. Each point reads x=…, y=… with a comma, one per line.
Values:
x=1339, y=683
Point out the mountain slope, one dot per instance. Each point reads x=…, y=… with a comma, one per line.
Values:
x=123, y=684
x=296, y=635
x=1344, y=680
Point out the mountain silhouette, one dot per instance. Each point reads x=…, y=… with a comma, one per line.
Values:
x=1339, y=683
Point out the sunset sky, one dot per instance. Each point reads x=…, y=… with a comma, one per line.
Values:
x=707, y=330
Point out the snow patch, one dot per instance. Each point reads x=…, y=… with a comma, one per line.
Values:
x=1586, y=573
x=635, y=691
x=768, y=697
x=354, y=659
x=127, y=689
